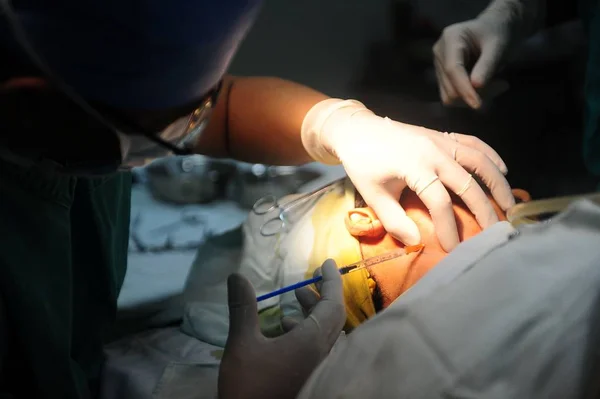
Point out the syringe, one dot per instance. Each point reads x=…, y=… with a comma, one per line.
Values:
x=347, y=269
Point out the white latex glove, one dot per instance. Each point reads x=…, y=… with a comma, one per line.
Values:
x=383, y=157
x=483, y=44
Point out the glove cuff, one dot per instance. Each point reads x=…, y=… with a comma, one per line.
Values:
x=313, y=128
x=524, y=18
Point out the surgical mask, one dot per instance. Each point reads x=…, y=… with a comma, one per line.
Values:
x=137, y=150
x=178, y=138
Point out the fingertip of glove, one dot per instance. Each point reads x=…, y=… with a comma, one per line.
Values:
x=477, y=81
x=448, y=243
x=406, y=232
x=408, y=240
x=502, y=167
x=328, y=267
x=479, y=76
x=474, y=102
x=506, y=201
x=508, y=204
x=239, y=289
x=234, y=280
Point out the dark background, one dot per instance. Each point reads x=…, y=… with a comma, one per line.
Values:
x=379, y=52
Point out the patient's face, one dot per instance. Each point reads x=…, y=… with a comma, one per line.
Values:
x=396, y=276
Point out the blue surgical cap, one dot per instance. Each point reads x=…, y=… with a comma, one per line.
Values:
x=137, y=53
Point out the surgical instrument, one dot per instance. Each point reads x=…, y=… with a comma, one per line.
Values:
x=251, y=183
x=362, y=264
x=270, y=203
x=545, y=209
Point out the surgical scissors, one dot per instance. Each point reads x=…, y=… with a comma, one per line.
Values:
x=270, y=203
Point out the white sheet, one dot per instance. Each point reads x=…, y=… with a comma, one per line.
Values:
x=164, y=362
x=151, y=293
x=519, y=319
x=154, y=280
x=161, y=364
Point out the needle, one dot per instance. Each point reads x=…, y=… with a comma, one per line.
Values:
x=346, y=269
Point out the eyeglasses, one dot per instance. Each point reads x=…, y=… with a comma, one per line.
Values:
x=197, y=122
x=183, y=143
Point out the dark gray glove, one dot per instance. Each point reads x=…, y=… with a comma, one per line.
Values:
x=254, y=366
x=308, y=299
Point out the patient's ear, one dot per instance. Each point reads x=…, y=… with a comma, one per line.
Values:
x=362, y=222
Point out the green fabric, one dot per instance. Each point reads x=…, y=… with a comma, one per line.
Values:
x=270, y=321
x=590, y=15
x=62, y=262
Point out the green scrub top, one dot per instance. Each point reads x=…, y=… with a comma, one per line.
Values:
x=63, y=257
x=590, y=15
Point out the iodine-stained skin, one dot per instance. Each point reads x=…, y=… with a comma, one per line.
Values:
x=396, y=276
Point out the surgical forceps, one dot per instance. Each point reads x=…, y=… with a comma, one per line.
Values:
x=270, y=203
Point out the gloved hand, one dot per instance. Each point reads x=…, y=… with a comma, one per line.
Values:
x=383, y=157
x=307, y=297
x=483, y=44
x=257, y=367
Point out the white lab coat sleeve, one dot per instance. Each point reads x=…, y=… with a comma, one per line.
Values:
x=519, y=321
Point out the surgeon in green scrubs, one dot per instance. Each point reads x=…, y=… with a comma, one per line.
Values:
x=484, y=44
x=590, y=14
x=88, y=87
